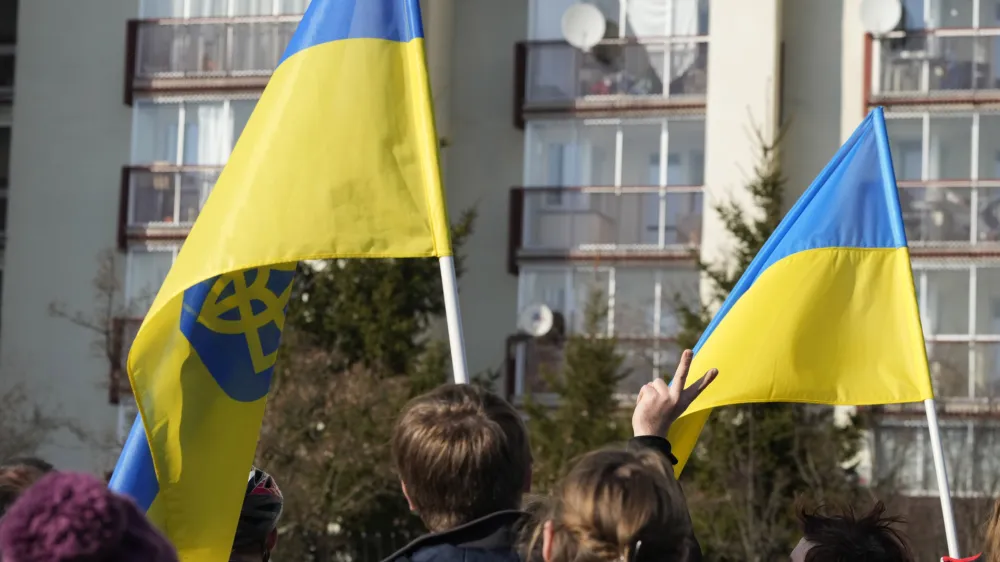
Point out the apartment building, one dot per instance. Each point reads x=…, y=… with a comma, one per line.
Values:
x=591, y=171
x=8, y=42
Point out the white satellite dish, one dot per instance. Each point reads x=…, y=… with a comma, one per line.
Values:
x=583, y=26
x=881, y=16
x=536, y=320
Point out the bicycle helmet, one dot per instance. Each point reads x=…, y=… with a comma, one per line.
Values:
x=262, y=506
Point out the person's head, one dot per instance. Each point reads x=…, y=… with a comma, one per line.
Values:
x=991, y=532
x=462, y=453
x=872, y=537
x=257, y=529
x=14, y=480
x=616, y=505
x=67, y=516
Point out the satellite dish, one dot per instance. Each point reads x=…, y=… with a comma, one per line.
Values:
x=536, y=320
x=881, y=16
x=583, y=26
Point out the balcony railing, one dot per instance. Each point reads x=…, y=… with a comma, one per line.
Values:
x=565, y=222
x=944, y=214
x=230, y=54
x=616, y=73
x=6, y=73
x=162, y=203
x=530, y=360
x=935, y=65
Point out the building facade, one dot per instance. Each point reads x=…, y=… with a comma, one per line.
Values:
x=593, y=173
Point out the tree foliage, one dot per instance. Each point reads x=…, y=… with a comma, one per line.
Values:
x=588, y=414
x=355, y=349
x=754, y=463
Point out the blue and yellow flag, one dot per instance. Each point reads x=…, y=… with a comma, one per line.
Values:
x=339, y=160
x=826, y=313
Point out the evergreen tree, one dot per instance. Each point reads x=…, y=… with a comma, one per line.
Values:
x=754, y=462
x=588, y=415
x=355, y=349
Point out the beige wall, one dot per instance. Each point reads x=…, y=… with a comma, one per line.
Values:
x=742, y=94
x=70, y=139
x=483, y=163
x=813, y=37
x=852, y=67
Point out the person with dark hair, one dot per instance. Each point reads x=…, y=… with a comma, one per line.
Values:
x=67, y=516
x=257, y=528
x=873, y=537
x=14, y=480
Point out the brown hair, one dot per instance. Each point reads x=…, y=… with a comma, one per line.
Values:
x=15, y=479
x=871, y=537
x=462, y=453
x=618, y=505
x=991, y=548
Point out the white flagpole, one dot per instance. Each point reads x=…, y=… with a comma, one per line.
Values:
x=942, y=479
x=449, y=283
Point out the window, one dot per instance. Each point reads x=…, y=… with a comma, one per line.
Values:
x=145, y=271
x=639, y=309
x=643, y=177
x=219, y=8
x=953, y=151
x=960, y=314
x=210, y=131
x=642, y=18
x=628, y=153
x=971, y=449
x=168, y=197
x=639, y=300
x=941, y=51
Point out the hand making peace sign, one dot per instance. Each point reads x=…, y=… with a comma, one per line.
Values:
x=659, y=404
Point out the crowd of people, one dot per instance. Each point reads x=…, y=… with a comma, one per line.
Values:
x=465, y=465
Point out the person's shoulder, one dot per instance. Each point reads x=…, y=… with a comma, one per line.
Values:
x=452, y=553
x=492, y=538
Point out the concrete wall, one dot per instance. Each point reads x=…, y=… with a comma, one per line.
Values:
x=742, y=97
x=811, y=91
x=483, y=162
x=852, y=68
x=70, y=139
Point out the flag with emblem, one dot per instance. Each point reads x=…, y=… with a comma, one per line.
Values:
x=339, y=160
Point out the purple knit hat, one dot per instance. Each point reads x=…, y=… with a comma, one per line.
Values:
x=67, y=517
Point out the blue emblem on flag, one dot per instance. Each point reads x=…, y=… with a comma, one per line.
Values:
x=234, y=322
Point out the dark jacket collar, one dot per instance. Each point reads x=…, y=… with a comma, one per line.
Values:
x=496, y=531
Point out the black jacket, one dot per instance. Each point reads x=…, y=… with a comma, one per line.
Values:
x=494, y=538
x=490, y=539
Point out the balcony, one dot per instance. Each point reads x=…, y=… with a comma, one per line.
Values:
x=210, y=54
x=530, y=359
x=555, y=77
x=934, y=66
x=123, y=332
x=563, y=223
x=6, y=73
x=162, y=203
x=944, y=217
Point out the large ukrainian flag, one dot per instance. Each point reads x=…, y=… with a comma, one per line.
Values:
x=826, y=312
x=339, y=160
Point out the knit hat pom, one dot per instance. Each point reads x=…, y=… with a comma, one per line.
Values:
x=64, y=516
